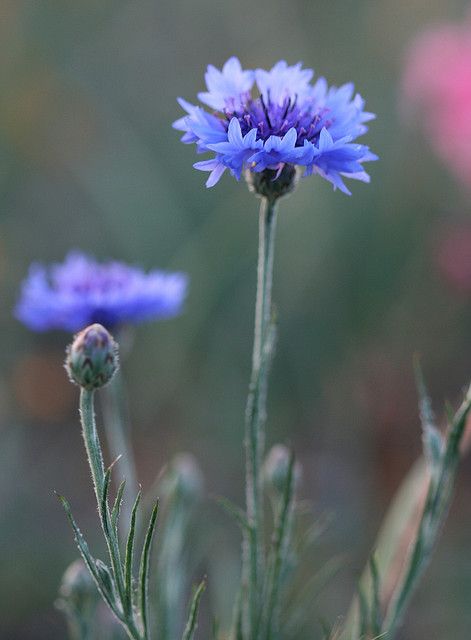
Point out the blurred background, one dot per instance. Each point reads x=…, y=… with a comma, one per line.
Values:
x=89, y=160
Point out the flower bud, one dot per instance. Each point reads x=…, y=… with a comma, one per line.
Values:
x=77, y=588
x=276, y=468
x=92, y=358
x=183, y=478
x=273, y=184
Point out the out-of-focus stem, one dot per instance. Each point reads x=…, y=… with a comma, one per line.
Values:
x=116, y=422
x=255, y=417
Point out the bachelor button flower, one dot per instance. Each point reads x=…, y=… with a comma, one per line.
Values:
x=82, y=291
x=267, y=120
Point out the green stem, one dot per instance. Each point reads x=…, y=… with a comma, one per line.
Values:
x=255, y=416
x=92, y=443
x=97, y=468
x=115, y=418
x=281, y=534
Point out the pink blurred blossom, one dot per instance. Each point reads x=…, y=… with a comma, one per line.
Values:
x=437, y=84
x=453, y=256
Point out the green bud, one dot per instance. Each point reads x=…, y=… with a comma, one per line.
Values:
x=271, y=184
x=183, y=478
x=276, y=468
x=92, y=358
x=78, y=589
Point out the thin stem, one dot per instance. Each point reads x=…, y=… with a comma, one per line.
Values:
x=255, y=416
x=281, y=534
x=95, y=460
x=266, y=249
x=115, y=418
x=92, y=443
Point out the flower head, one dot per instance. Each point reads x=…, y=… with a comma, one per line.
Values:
x=437, y=83
x=265, y=120
x=81, y=291
x=92, y=358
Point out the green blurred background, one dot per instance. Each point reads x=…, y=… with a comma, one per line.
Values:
x=88, y=159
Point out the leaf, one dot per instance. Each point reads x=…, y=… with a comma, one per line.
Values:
x=215, y=626
x=376, y=616
x=105, y=576
x=88, y=558
x=236, y=512
x=117, y=506
x=144, y=570
x=129, y=553
x=431, y=436
x=111, y=537
x=295, y=613
x=192, y=622
x=363, y=609
x=104, y=510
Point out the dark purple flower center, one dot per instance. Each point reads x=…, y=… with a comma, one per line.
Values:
x=271, y=119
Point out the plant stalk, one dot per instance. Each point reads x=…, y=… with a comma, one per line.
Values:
x=116, y=421
x=95, y=460
x=255, y=417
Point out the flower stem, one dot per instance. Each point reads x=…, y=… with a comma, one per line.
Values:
x=92, y=442
x=97, y=468
x=115, y=418
x=256, y=414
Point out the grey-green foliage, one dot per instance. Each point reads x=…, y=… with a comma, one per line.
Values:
x=180, y=488
x=78, y=599
x=126, y=594
x=377, y=615
x=443, y=462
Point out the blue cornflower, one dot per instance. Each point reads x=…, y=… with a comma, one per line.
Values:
x=81, y=291
x=269, y=119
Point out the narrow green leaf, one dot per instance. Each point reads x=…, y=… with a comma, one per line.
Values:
x=144, y=570
x=431, y=436
x=111, y=537
x=236, y=631
x=215, y=626
x=117, y=505
x=104, y=510
x=236, y=512
x=363, y=611
x=296, y=612
x=449, y=412
x=436, y=508
x=129, y=553
x=88, y=558
x=105, y=576
x=327, y=630
x=376, y=616
x=192, y=622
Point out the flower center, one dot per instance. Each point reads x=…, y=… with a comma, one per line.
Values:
x=271, y=119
